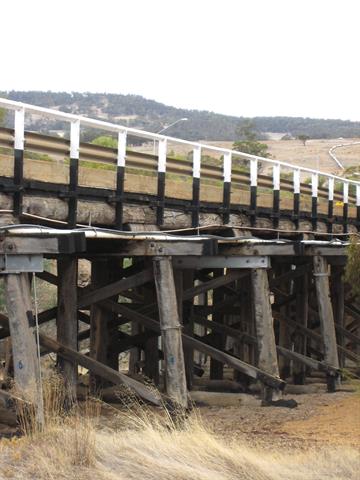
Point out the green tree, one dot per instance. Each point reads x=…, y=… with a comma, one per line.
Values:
x=105, y=141
x=352, y=269
x=248, y=142
x=303, y=138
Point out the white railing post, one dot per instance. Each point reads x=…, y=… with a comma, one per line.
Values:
x=162, y=151
x=196, y=185
x=227, y=161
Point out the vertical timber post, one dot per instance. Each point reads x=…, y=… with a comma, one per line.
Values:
x=326, y=316
x=74, y=172
x=21, y=323
x=216, y=367
x=338, y=304
x=19, y=141
x=67, y=322
x=302, y=313
x=227, y=187
x=253, y=190
x=276, y=195
x=161, y=182
x=296, y=208
x=264, y=327
x=196, y=187
x=175, y=379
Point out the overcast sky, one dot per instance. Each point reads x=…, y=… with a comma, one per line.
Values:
x=238, y=57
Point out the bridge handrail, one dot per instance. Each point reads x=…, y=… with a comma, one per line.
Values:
x=76, y=121
x=113, y=127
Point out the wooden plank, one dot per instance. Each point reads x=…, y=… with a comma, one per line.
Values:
x=26, y=244
x=21, y=323
x=316, y=336
x=67, y=322
x=101, y=370
x=151, y=368
x=326, y=315
x=216, y=367
x=338, y=304
x=282, y=249
x=301, y=286
x=167, y=248
x=115, y=288
x=307, y=361
x=187, y=312
x=170, y=326
x=267, y=360
x=215, y=283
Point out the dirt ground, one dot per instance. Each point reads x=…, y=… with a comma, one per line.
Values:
x=320, y=420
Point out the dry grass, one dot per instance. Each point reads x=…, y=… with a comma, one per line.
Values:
x=142, y=443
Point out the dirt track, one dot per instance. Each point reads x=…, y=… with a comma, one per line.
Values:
x=320, y=419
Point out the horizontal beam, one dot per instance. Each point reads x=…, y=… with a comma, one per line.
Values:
x=221, y=261
x=280, y=249
x=115, y=288
x=26, y=244
x=309, y=362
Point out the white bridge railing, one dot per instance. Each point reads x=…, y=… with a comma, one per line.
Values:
x=76, y=122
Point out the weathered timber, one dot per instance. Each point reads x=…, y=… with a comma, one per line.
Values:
x=326, y=315
x=115, y=288
x=21, y=324
x=317, y=337
x=251, y=371
x=338, y=305
x=307, y=361
x=67, y=321
x=267, y=361
x=37, y=244
x=216, y=367
x=301, y=285
x=100, y=319
x=151, y=368
x=185, y=278
x=175, y=378
x=100, y=370
x=284, y=329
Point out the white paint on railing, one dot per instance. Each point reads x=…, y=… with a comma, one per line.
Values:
x=227, y=167
x=331, y=189
x=196, y=162
x=253, y=172
x=75, y=139
x=19, y=129
x=345, y=192
x=121, y=152
x=162, y=155
x=358, y=195
x=296, y=180
x=276, y=176
x=314, y=184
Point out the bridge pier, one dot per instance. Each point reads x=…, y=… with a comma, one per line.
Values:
x=244, y=310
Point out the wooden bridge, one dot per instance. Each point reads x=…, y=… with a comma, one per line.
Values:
x=236, y=259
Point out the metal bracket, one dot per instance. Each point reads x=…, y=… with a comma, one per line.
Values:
x=21, y=263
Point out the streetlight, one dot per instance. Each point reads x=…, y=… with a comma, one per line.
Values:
x=165, y=128
x=172, y=124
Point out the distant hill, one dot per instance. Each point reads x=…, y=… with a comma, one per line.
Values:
x=136, y=111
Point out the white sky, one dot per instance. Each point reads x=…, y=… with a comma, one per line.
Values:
x=238, y=57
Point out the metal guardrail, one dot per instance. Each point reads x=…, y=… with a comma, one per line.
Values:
x=76, y=122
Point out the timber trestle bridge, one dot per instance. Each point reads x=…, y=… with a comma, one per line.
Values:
x=196, y=264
